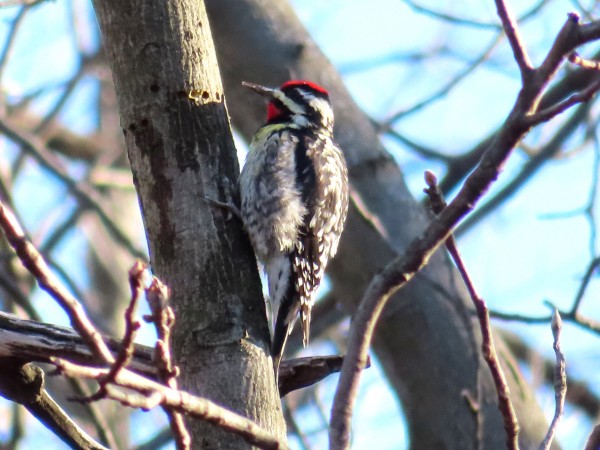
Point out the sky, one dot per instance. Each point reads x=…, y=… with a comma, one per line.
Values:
x=532, y=249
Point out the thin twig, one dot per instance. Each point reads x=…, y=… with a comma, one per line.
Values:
x=24, y=384
x=443, y=90
x=97, y=417
x=98, y=420
x=85, y=62
x=16, y=428
x=62, y=100
x=136, y=284
x=593, y=442
x=366, y=214
x=560, y=107
x=9, y=3
x=36, y=265
x=575, y=318
x=158, y=441
x=511, y=425
x=8, y=284
x=509, y=24
x=471, y=23
x=59, y=232
x=590, y=209
x=158, y=394
x=583, y=63
x=529, y=169
x=560, y=382
x=592, y=266
x=36, y=342
x=10, y=38
x=163, y=317
x=580, y=394
x=84, y=193
x=295, y=429
x=421, y=150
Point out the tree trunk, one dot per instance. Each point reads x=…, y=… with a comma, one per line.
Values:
x=181, y=150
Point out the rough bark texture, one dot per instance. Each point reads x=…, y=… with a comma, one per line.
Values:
x=180, y=150
x=426, y=340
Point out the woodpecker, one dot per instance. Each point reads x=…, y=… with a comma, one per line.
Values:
x=294, y=200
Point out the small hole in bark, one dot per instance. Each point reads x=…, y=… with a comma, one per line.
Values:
x=299, y=49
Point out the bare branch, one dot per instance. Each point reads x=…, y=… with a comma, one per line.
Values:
x=443, y=90
x=560, y=382
x=37, y=342
x=471, y=23
x=181, y=401
x=34, y=262
x=136, y=274
x=97, y=417
x=402, y=269
x=554, y=110
x=87, y=196
x=163, y=318
x=593, y=442
x=419, y=149
x=509, y=24
x=24, y=384
x=171, y=398
x=9, y=3
x=438, y=204
x=299, y=373
x=531, y=167
x=567, y=316
x=583, y=63
x=580, y=394
x=10, y=38
x=572, y=35
x=592, y=266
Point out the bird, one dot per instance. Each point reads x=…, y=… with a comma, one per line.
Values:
x=294, y=201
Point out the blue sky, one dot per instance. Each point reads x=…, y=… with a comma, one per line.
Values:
x=524, y=253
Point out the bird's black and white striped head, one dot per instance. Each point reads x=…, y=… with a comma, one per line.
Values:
x=300, y=102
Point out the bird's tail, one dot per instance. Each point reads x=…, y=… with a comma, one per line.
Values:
x=305, y=310
x=287, y=307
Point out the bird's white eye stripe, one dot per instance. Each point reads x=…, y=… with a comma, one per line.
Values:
x=290, y=104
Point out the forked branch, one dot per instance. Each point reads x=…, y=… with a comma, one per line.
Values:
x=396, y=274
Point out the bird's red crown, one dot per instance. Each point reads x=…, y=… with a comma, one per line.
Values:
x=298, y=83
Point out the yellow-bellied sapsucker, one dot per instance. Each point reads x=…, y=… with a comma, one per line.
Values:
x=294, y=194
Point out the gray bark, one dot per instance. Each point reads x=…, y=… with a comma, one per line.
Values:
x=181, y=150
x=427, y=340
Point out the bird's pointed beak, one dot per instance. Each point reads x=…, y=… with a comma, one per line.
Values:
x=261, y=90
